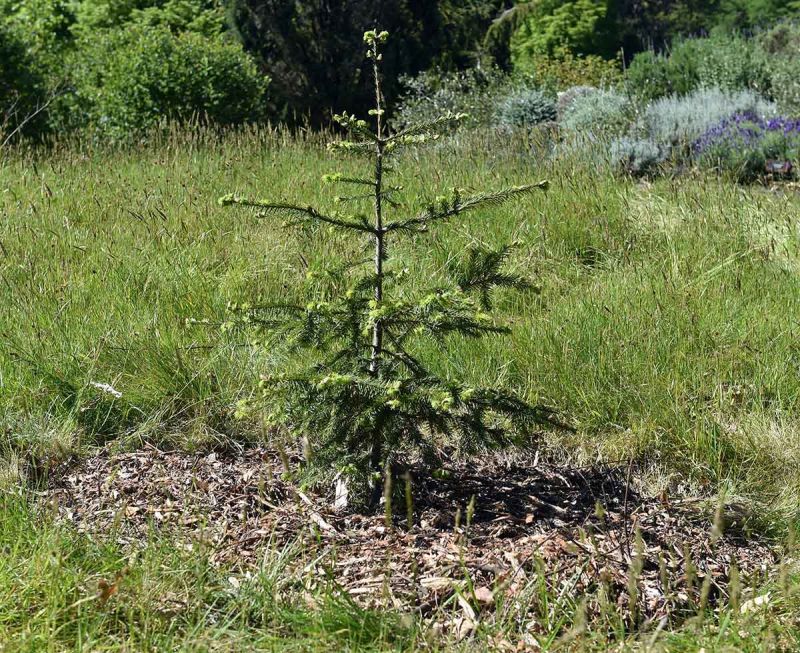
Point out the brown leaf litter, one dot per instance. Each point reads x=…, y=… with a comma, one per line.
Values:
x=491, y=527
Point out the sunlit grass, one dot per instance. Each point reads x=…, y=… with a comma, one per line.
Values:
x=664, y=328
x=663, y=324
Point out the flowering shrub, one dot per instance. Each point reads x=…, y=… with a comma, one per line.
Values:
x=678, y=121
x=744, y=143
x=732, y=63
x=525, y=107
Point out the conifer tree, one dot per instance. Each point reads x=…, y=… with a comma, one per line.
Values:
x=368, y=399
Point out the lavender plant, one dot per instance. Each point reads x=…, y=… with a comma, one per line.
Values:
x=744, y=143
x=367, y=400
x=677, y=121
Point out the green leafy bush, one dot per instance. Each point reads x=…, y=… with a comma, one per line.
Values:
x=564, y=70
x=199, y=16
x=524, y=108
x=129, y=79
x=677, y=121
x=597, y=114
x=45, y=26
x=652, y=75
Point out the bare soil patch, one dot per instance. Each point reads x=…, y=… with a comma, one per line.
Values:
x=581, y=532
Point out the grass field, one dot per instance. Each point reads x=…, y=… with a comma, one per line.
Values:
x=664, y=329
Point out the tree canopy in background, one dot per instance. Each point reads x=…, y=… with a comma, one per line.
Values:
x=312, y=50
x=121, y=65
x=552, y=27
x=21, y=86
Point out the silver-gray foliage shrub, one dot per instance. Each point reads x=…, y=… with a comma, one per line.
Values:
x=566, y=98
x=636, y=156
x=525, y=107
x=678, y=120
x=597, y=114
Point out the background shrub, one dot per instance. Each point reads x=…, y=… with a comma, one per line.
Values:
x=524, y=108
x=782, y=39
x=682, y=70
x=596, y=114
x=312, y=50
x=648, y=77
x=129, y=79
x=636, y=156
x=566, y=98
x=676, y=120
x=732, y=63
x=564, y=70
x=785, y=85
x=435, y=92
x=652, y=75
x=742, y=144
x=781, y=46
x=728, y=62
x=554, y=26
x=201, y=16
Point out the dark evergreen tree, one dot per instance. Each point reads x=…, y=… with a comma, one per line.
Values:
x=309, y=51
x=23, y=93
x=368, y=398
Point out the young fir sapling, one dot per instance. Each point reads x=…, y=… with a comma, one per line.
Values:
x=368, y=399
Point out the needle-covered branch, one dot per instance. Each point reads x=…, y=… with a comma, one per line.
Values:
x=484, y=270
x=297, y=214
x=430, y=126
x=451, y=207
x=337, y=178
x=436, y=314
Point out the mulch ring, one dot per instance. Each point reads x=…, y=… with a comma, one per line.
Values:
x=501, y=523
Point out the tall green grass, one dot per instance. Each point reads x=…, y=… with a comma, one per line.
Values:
x=664, y=327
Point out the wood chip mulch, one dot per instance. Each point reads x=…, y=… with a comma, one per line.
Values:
x=583, y=532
